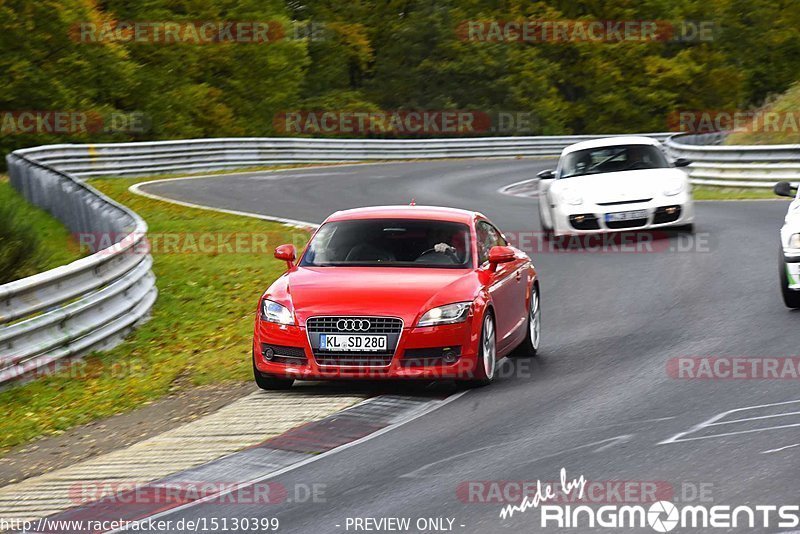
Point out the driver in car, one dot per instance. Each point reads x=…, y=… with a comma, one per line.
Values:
x=453, y=244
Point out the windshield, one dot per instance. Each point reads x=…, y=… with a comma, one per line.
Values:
x=612, y=159
x=390, y=243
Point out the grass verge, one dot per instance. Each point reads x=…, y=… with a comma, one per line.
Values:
x=200, y=329
x=31, y=240
x=708, y=192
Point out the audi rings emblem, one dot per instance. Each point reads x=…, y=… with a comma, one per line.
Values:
x=352, y=325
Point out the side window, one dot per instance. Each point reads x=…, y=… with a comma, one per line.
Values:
x=500, y=239
x=488, y=236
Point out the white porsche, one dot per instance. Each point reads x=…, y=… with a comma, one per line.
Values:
x=789, y=259
x=614, y=184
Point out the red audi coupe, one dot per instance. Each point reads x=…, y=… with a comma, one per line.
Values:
x=397, y=292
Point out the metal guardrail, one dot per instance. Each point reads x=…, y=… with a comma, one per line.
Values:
x=735, y=165
x=202, y=155
x=87, y=305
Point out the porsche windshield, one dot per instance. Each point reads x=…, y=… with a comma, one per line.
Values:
x=390, y=243
x=612, y=159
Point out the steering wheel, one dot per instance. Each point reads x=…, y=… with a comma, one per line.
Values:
x=450, y=253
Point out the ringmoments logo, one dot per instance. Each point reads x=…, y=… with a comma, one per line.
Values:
x=661, y=516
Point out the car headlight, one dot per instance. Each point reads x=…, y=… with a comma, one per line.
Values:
x=447, y=314
x=574, y=198
x=794, y=241
x=673, y=188
x=275, y=313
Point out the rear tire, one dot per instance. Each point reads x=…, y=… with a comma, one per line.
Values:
x=533, y=336
x=270, y=382
x=486, y=365
x=791, y=297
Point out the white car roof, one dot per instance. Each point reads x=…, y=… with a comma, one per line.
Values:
x=611, y=141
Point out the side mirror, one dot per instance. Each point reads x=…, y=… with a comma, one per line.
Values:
x=784, y=189
x=286, y=253
x=498, y=255
x=682, y=162
x=548, y=174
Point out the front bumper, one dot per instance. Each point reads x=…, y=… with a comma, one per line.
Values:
x=419, y=354
x=591, y=218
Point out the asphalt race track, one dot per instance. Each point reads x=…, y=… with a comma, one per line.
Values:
x=598, y=400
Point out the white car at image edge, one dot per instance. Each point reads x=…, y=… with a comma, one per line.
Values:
x=614, y=184
x=789, y=259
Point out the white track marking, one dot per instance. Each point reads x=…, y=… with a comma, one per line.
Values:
x=504, y=190
x=754, y=418
x=713, y=421
x=136, y=189
x=619, y=439
x=736, y=433
x=781, y=449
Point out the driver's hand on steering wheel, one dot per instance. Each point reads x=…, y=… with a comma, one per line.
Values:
x=443, y=248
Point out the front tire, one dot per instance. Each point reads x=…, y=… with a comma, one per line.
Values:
x=533, y=336
x=791, y=297
x=486, y=364
x=270, y=382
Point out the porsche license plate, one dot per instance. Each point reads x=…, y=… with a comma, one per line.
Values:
x=352, y=343
x=626, y=215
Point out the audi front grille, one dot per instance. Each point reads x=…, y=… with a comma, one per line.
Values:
x=377, y=325
x=390, y=326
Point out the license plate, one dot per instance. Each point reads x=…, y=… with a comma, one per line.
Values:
x=626, y=215
x=352, y=343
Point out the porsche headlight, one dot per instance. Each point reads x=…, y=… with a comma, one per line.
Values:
x=447, y=314
x=275, y=313
x=794, y=241
x=572, y=197
x=673, y=188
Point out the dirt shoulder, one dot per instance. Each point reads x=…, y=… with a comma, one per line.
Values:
x=116, y=432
